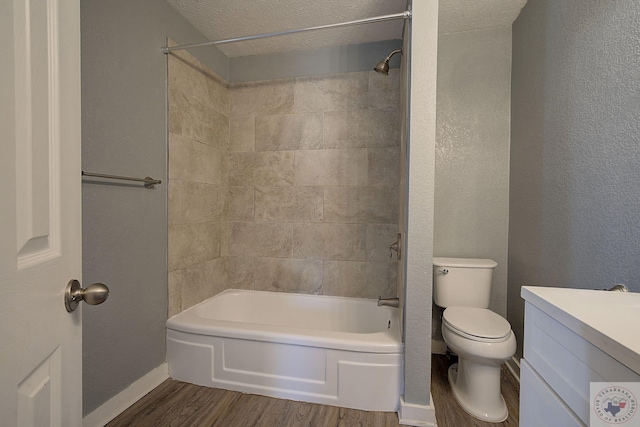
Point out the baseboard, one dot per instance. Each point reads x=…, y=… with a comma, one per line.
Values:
x=513, y=366
x=438, y=346
x=411, y=414
x=127, y=397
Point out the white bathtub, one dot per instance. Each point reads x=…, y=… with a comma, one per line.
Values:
x=331, y=350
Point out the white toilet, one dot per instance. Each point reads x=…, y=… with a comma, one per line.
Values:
x=482, y=339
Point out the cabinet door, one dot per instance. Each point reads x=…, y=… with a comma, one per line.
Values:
x=567, y=362
x=539, y=405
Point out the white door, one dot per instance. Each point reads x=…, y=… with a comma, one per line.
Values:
x=40, y=222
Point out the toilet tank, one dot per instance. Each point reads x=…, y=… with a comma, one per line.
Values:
x=462, y=282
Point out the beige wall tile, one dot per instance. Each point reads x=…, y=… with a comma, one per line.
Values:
x=344, y=278
x=341, y=204
x=203, y=202
x=340, y=130
x=198, y=171
x=330, y=270
x=220, y=134
x=175, y=112
x=242, y=133
x=330, y=208
x=362, y=204
x=192, y=161
x=191, y=244
x=175, y=293
x=274, y=168
x=260, y=239
x=348, y=91
x=378, y=204
x=267, y=168
x=329, y=241
x=242, y=169
x=189, y=75
x=381, y=278
x=224, y=239
x=224, y=168
x=288, y=132
x=186, y=75
x=200, y=121
x=288, y=275
x=202, y=281
x=240, y=204
x=176, y=213
x=361, y=128
x=288, y=204
x=344, y=241
x=195, y=285
x=380, y=127
x=331, y=167
x=384, y=91
x=308, y=241
x=260, y=98
x=384, y=166
x=218, y=272
x=379, y=237
x=241, y=272
x=360, y=279
x=218, y=94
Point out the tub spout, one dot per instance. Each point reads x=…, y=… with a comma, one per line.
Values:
x=391, y=302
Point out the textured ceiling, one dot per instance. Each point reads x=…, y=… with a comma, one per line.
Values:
x=222, y=19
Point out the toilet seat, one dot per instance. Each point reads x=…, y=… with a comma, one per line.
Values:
x=477, y=324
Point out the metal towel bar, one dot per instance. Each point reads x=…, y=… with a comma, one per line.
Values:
x=148, y=181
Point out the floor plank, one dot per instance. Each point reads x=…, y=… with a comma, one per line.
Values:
x=177, y=404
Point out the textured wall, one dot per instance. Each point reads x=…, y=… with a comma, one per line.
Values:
x=459, y=15
x=472, y=152
x=574, y=196
x=198, y=181
x=125, y=226
x=313, y=184
x=423, y=63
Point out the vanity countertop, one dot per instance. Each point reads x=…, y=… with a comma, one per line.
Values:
x=608, y=320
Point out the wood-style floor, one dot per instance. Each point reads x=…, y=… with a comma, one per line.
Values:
x=174, y=403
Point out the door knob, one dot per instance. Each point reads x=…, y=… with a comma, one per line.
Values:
x=94, y=294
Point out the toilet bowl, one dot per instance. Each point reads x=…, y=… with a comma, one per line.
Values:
x=483, y=341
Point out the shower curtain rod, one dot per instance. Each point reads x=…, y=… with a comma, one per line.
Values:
x=402, y=15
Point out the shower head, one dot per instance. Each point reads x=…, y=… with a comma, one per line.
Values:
x=383, y=66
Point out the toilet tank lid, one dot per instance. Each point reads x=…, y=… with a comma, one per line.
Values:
x=464, y=262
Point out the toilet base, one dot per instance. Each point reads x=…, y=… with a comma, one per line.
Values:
x=476, y=388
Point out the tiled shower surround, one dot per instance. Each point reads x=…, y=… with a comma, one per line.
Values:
x=283, y=185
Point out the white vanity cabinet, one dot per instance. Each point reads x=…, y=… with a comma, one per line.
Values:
x=573, y=337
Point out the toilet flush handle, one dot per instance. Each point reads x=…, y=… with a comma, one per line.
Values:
x=444, y=271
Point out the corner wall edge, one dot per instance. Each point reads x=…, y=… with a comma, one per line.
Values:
x=411, y=414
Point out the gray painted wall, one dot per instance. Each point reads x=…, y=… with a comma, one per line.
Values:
x=575, y=148
x=422, y=64
x=337, y=59
x=472, y=151
x=125, y=227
